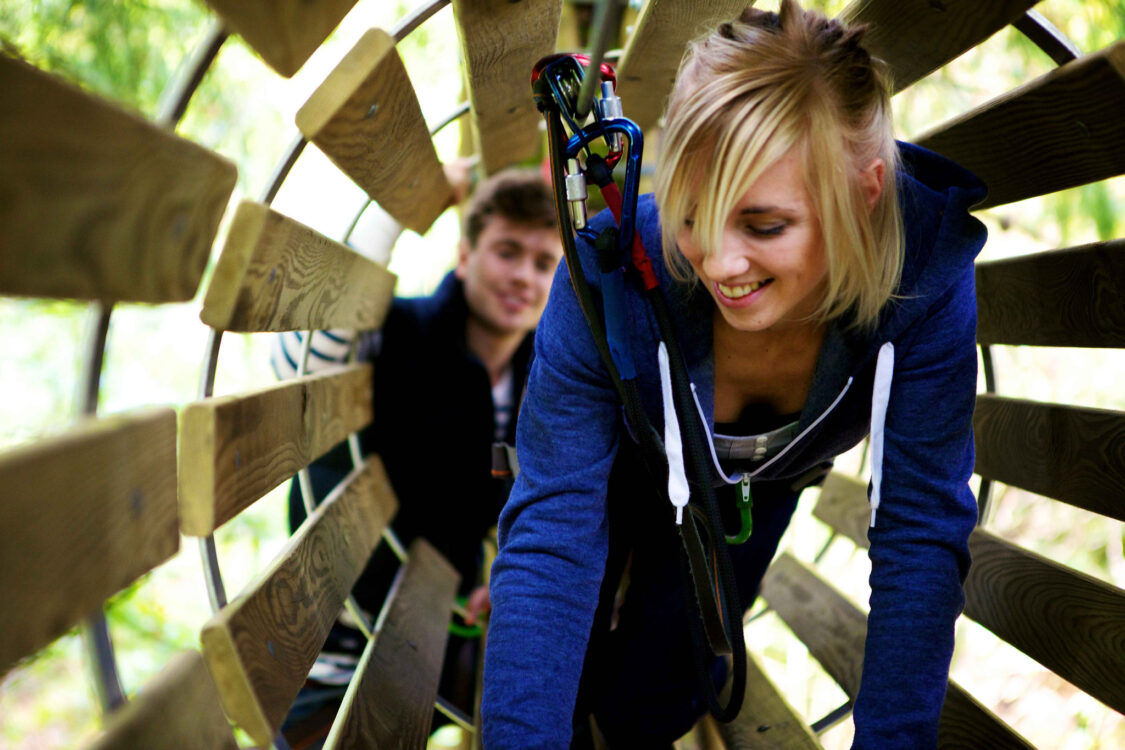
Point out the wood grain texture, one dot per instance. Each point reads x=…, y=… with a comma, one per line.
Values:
x=1069, y=297
x=97, y=203
x=1070, y=453
x=260, y=647
x=1064, y=129
x=501, y=40
x=178, y=709
x=390, y=702
x=284, y=32
x=234, y=449
x=84, y=514
x=766, y=721
x=834, y=629
x=916, y=37
x=843, y=506
x=366, y=118
x=967, y=725
x=653, y=53
x=276, y=274
x=1067, y=621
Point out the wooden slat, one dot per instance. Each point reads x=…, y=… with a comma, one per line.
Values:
x=284, y=32
x=1070, y=297
x=1070, y=453
x=652, y=56
x=84, y=514
x=500, y=43
x=766, y=721
x=96, y=203
x=260, y=647
x=276, y=274
x=365, y=116
x=234, y=449
x=967, y=725
x=842, y=505
x=178, y=710
x=1067, y=621
x=390, y=701
x=834, y=629
x=916, y=37
x=1064, y=129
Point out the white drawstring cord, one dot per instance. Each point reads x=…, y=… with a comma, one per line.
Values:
x=678, y=491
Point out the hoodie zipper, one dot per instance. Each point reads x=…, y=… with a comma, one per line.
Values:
x=746, y=476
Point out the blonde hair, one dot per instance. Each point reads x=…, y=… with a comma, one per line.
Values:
x=755, y=89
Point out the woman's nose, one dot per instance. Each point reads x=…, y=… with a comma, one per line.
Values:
x=726, y=261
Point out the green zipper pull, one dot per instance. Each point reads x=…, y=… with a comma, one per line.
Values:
x=744, y=506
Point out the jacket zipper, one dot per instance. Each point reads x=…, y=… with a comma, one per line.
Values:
x=746, y=476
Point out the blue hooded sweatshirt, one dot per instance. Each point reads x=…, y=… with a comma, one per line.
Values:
x=911, y=381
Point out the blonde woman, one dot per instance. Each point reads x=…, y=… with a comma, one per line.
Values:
x=820, y=278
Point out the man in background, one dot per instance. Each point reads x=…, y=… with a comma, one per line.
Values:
x=448, y=378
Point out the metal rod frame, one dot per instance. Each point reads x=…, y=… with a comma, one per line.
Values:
x=607, y=20
x=1047, y=37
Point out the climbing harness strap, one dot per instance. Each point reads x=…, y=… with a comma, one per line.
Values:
x=708, y=569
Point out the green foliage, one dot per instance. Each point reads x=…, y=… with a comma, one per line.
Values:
x=126, y=50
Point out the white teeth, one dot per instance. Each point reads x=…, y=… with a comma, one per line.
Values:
x=734, y=292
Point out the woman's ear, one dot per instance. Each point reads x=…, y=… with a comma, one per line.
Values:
x=871, y=182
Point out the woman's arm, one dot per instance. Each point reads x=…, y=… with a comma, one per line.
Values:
x=553, y=535
x=919, y=544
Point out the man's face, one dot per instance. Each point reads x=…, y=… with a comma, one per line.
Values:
x=508, y=275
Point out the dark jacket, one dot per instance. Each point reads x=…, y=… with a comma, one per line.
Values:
x=553, y=531
x=433, y=427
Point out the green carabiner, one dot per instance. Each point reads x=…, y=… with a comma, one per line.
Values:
x=464, y=631
x=744, y=507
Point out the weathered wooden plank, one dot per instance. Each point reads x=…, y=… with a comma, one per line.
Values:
x=84, y=514
x=842, y=505
x=365, y=116
x=260, y=647
x=1070, y=453
x=766, y=721
x=1063, y=129
x=834, y=629
x=653, y=53
x=967, y=725
x=284, y=33
x=1067, y=621
x=178, y=710
x=916, y=37
x=234, y=449
x=97, y=203
x=501, y=41
x=390, y=701
x=1069, y=297
x=276, y=274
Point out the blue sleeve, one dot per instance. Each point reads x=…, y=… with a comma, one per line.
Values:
x=919, y=545
x=553, y=535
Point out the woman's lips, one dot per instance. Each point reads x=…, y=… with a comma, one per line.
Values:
x=740, y=295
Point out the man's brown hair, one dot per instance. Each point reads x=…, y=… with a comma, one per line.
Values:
x=518, y=195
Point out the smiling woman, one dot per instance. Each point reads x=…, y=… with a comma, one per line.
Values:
x=830, y=274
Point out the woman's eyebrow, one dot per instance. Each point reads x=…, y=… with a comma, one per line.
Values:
x=758, y=210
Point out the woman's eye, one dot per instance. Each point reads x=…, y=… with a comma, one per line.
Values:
x=689, y=223
x=771, y=230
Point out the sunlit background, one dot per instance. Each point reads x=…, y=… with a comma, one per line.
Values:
x=129, y=50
